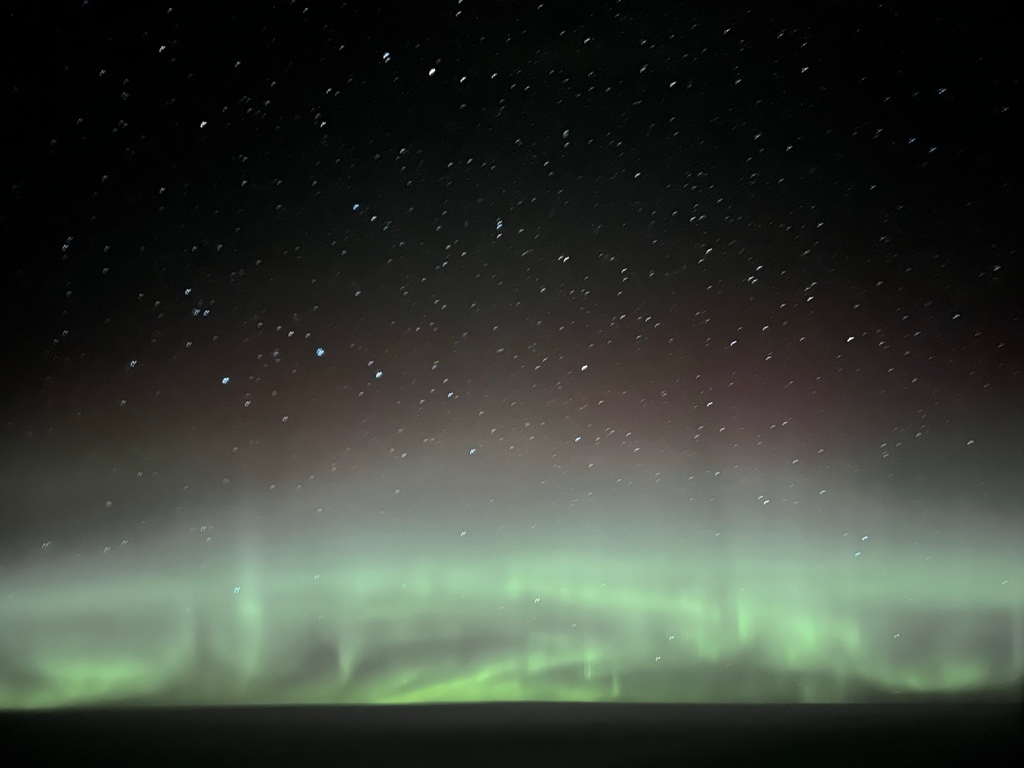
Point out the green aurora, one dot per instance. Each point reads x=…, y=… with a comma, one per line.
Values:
x=640, y=623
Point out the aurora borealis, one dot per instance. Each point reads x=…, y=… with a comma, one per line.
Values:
x=642, y=621
x=511, y=353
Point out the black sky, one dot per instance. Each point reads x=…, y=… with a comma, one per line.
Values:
x=566, y=266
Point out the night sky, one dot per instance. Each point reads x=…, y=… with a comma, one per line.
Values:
x=555, y=257
x=510, y=272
